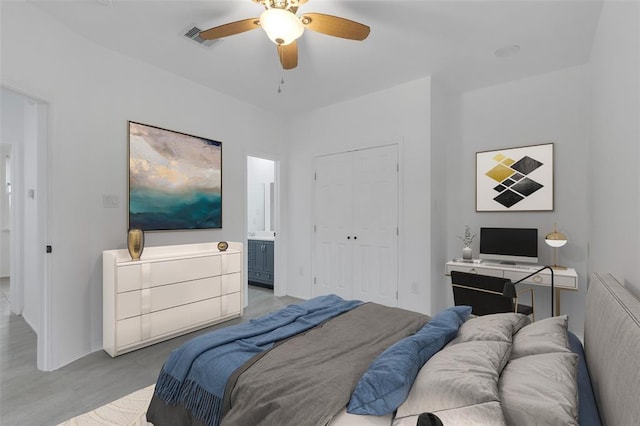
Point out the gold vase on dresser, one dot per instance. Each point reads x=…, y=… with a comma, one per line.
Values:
x=135, y=243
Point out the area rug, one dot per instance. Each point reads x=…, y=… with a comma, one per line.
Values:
x=130, y=410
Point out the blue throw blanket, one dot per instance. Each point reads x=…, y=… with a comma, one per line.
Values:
x=196, y=373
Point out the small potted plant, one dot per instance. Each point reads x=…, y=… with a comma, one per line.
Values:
x=467, y=239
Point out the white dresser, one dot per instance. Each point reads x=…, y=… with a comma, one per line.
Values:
x=170, y=291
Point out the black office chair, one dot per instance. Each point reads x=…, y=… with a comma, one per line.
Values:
x=485, y=294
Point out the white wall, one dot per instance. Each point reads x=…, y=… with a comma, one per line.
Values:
x=547, y=108
x=92, y=93
x=399, y=115
x=445, y=138
x=615, y=144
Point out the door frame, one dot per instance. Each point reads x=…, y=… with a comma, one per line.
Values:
x=400, y=249
x=279, y=280
x=45, y=113
x=16, y=265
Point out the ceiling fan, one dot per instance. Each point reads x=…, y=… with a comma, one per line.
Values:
x=284, y=27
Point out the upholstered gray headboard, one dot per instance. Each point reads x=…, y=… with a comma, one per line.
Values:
x=612, y=349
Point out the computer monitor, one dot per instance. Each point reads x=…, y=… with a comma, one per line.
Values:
x=509, y=245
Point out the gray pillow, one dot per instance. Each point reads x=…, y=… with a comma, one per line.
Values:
x=494, y=327
x=544, y=336
x=458, y=376
x=541, y=390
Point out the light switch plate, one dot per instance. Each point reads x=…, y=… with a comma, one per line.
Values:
x=110, y=201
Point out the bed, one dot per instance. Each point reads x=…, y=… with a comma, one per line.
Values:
x=337, y=362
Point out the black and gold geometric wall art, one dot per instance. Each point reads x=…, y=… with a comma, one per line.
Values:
x=515, y=179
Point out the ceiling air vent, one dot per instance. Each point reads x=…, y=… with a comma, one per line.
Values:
x=193, y=33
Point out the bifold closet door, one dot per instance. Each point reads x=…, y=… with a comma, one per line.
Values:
x=333, y=221
x=374, y=259
x=356, y=214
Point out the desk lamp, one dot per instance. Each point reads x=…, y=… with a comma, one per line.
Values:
x=556, y=239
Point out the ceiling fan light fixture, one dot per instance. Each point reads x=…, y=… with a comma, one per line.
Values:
x=281, y=26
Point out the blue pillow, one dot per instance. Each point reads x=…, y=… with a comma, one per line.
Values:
x=388, y=380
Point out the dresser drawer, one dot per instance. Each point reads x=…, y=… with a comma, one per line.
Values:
x=168, y=296
x=180, y=317
x=471, y=269
x=172, y=271
x=128, y=304
x=230, y=283
x=543, y=279
x=128, y=277
x=156, y=324
x=230, y=304
x=128, y=331
x=232, y=262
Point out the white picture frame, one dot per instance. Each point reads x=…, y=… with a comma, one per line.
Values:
x=515, y=179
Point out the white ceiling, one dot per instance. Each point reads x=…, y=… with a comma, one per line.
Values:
x=453, y=41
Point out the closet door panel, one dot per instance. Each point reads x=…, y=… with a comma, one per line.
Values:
x=333, y=194
x=375, y=225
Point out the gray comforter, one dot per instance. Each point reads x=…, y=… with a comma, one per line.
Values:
x=324, y=376
x=499, y=371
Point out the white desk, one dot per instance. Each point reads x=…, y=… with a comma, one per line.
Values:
x=564, y=279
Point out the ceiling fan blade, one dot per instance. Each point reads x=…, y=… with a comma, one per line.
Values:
x=335, y=26
x=288, y=55
x=230, y=29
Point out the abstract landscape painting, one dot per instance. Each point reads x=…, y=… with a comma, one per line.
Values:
x=175, y=180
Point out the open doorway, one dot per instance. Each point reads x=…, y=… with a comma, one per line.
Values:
x=5, y=221
x=25, y=215
x=261, y=221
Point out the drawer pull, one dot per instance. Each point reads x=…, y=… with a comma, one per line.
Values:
x=145, y=327
x=145, y=301
x=537, y=279
x=473, y=271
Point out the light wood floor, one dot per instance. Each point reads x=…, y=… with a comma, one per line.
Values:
x=32, y=397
